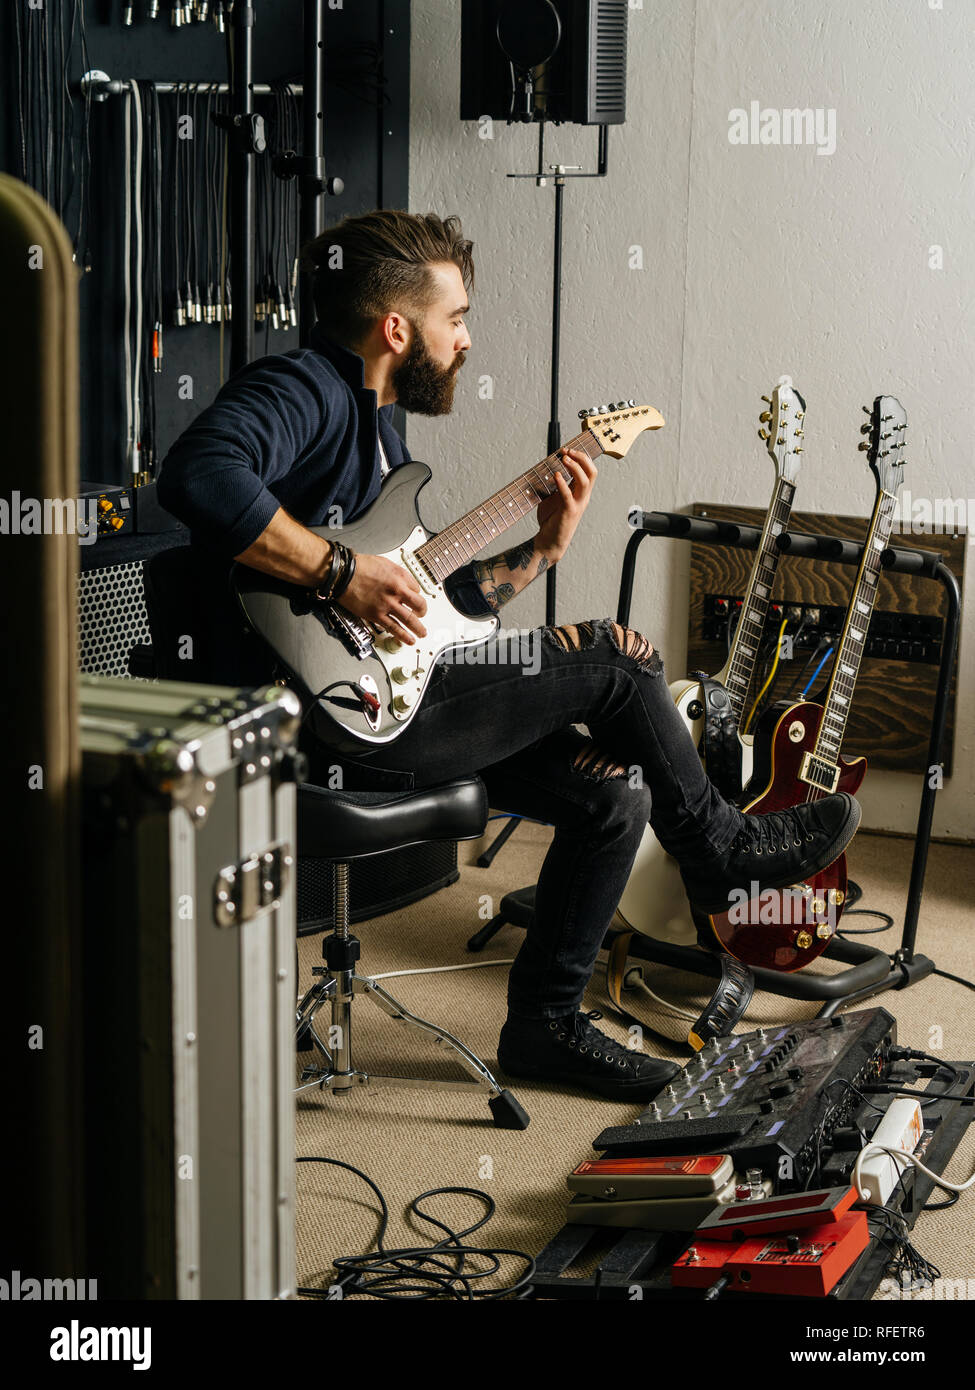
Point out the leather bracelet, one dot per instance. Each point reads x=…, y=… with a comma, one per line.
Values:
x=325, y=588
x=346, y=577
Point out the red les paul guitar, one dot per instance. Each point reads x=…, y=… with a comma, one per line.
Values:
x=797, y=747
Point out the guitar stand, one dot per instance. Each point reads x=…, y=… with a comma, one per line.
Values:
x=871, y=970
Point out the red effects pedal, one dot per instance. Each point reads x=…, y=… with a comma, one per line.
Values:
x=806, y=1264
x=792, y=1212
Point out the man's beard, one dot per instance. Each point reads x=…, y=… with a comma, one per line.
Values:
x=422, y=385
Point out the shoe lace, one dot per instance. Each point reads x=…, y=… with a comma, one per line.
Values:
x=768, y=834
x=589, y=1039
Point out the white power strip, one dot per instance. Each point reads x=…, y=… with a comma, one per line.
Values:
x=901, y=1128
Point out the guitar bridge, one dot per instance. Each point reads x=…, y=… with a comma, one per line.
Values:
x=351, y=631
x=816, y=772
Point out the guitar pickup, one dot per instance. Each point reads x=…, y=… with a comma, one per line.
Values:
x=419, y=571
x=817, y=773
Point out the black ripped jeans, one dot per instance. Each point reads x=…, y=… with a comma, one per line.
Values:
x=508, y=718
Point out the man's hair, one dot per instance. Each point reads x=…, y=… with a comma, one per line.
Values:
x=366, y=266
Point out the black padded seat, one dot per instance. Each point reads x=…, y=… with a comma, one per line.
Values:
x=344, y=825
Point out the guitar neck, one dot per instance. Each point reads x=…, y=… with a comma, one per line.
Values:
x=754, y=609
x=463, y=539
x=846, y=666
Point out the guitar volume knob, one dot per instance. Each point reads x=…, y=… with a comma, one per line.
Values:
x=400, y=675
x=404, y=701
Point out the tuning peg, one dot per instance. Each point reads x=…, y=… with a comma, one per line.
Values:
x=604, y=409
x=865, y=429
x=583, y=414
x=763, y=434
x=765, y=415
x=631, y=403
x=866, y=410
x=863, y=447
x=767, y=400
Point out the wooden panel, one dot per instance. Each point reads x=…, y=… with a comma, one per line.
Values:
x=892, y=709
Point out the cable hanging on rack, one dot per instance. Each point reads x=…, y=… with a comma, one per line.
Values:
x=47, y=160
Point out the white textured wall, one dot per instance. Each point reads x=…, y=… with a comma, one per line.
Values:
x=757, y=260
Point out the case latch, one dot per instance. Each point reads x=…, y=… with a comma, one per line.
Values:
x=243, y=890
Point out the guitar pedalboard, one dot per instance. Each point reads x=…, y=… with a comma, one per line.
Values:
x=738, y=1177
x=759, y=1096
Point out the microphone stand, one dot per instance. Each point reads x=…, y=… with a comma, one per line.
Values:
x=557, y=174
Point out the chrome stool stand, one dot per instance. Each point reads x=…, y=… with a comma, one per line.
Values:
x=337, y=984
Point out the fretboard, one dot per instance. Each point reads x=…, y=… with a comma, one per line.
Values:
x=846, y=666
x=754, y=608
x=463, y=539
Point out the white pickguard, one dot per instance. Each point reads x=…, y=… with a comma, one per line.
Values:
x=409, y=667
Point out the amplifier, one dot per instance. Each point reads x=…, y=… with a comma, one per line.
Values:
x=771, y=1099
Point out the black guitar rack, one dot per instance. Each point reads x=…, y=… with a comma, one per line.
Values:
x=872, y=970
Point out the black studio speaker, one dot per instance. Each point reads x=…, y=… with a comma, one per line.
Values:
x=544, y=60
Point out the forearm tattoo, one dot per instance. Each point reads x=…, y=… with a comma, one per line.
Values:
x=490, y=573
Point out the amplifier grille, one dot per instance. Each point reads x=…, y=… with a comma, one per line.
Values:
x=112, y=618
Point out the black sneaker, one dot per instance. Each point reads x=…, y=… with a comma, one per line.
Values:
x=570, y=1049
x=775, y=851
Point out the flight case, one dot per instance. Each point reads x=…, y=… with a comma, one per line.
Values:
x=189, y=940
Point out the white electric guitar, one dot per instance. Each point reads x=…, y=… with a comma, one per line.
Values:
x=654, y=901
x=361, y=681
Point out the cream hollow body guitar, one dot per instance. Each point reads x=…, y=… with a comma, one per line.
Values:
x=363, y=686
x=654, y=901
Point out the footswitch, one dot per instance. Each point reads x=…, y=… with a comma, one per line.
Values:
x=614, y=1192
x=790, y=1213
x=688, y=1176
x=807, y=1263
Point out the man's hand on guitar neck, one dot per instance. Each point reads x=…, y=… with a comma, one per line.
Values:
x=380, y=592
x=503, y=576
x=560, y=513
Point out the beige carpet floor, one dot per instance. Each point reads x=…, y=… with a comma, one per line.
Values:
x=411, y=1141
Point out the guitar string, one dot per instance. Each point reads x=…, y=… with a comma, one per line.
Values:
x=508, y=507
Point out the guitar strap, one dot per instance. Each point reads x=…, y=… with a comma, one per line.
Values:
x=721, y=1013
x=722, y=749
x=616, y=968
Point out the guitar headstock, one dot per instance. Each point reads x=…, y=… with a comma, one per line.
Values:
x=884, y=447
x=616, y=426
x=782, y=426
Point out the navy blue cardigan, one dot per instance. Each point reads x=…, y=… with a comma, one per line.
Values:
x=296, y=429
